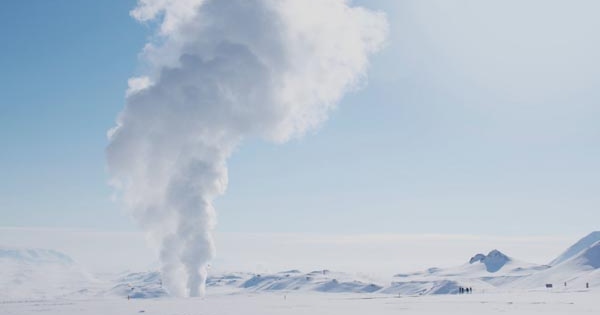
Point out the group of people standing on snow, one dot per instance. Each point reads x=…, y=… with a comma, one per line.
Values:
x=462, y=290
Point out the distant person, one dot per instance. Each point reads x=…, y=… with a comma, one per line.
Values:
x=587, y=285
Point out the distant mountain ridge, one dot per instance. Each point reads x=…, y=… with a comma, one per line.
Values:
x=43, y=273
x=34, y=256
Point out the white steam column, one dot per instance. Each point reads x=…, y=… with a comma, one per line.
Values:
x=216, y=73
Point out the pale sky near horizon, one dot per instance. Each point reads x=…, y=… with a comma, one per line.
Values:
x=479, y=117
x=378, y=255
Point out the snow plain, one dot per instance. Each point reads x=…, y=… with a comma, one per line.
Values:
x=316, y=303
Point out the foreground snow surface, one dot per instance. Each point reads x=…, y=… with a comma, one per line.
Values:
x=313, y=303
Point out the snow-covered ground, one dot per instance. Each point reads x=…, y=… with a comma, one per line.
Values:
x=315, y=303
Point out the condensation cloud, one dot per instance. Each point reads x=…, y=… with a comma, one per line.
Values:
x=218, y=72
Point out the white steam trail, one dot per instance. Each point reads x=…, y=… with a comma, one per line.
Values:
x=219, y=71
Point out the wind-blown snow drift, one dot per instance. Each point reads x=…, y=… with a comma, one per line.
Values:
x=218, y=72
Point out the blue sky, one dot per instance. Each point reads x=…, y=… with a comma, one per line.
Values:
x=479, y=117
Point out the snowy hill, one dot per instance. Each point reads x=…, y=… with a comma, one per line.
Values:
x=493, y=261
x=138, y=285
x=319, y=281
x=577, y=248
x=578, y=266
x=423, y=287
x=40, y=274
x=576, y=272
x=149, y=284
x=482, y=273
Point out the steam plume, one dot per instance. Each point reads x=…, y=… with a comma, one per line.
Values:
x=219, y=71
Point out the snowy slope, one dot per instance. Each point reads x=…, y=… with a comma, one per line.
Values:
x=431, y=287
x=41, y=274
x=149, y=284
x=576, y=272
x=482, y=273
x=138, y=285
x=578, y=266
x=319, y=281
x=577, y=248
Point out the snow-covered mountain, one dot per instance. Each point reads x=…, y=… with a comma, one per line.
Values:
x=40, y=274
x=577, y=248
x=138, y=285
x=576, y=273
x=319, y=281
x=149, y=284
x=493, y=261
x=482, y=273
x=34, y=256
x=578, y=267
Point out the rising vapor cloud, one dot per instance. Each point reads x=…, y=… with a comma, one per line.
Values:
x=218, y=72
